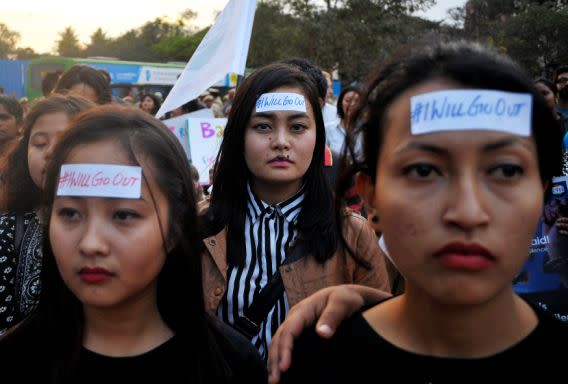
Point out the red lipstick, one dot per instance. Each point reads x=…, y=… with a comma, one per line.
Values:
x=469, y=257
x=95, y=275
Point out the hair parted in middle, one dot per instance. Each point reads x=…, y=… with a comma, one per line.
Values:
x=317, y=221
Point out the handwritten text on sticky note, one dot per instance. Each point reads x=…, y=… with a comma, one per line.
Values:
x=281, y=102
x=467, y=109
x=100, y=180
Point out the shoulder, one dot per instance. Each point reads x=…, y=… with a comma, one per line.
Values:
x=7, y=219
x=352, y=218
x=245, y=360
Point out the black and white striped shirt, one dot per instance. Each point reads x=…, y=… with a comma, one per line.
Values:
x=269, y=229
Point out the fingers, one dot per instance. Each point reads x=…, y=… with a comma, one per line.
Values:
x=301, y=316
x=341, y=304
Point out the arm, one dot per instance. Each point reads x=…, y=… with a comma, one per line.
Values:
x=327, y=308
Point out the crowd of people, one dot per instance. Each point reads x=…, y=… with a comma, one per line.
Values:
x=115, y=266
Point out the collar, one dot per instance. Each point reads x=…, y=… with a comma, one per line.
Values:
x=289, y=209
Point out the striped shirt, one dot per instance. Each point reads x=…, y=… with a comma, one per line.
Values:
x=269, y=229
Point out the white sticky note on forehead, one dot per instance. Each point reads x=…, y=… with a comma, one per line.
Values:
x=468, y=109
x=100, y=180
x=281, y=102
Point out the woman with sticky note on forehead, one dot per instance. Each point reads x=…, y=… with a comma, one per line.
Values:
x=271, y=231
x=458, y=191
x=122, y=298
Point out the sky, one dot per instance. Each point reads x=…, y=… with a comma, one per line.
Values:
x=39, y=22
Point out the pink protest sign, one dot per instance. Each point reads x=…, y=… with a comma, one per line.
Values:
x=100, y=180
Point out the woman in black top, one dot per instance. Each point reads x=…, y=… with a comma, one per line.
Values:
x=459, y=151
x=122, y=297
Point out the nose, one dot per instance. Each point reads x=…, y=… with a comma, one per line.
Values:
x=467, y=208
x=93, y=241
x=49, y=150
x=280, y=138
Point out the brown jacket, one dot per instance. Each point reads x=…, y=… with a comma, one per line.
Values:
x=305, y=276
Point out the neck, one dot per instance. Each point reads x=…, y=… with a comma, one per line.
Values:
x=274, y=193
x=418, y=324
x=131, y=329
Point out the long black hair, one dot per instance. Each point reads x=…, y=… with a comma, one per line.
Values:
x=57, y=324
x=316, y=222
x=470, y=65
x=18, y=192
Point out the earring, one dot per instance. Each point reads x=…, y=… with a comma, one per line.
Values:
x=375, y=219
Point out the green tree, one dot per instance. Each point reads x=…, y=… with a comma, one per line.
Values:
x=8, y=40
x=100, y=44
x=68, y=44
x=537, y=37
x=25, y=53
x=350, y=35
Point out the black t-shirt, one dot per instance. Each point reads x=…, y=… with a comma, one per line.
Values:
x=357, y=354
x=167, y=363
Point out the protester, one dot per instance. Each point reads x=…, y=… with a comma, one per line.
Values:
x=23, y=169
x=122, y=298
x=271, y=217
x=561, y=80
x=149, y=103
x=11, y=116
x=457, y=209
x=85, y=81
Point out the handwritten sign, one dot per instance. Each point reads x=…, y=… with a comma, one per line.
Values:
x=178, y=126
x=100, y=180
x=281, y=102
x=205, y=136
x=471, y=109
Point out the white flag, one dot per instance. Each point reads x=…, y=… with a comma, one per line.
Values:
x=224, y=49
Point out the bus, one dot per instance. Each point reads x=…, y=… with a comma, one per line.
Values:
x=127, y=77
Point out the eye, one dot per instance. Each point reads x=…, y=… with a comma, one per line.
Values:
x=67, y=213
x=421, y=171
x=261, y=127
x=39, y=145
x=506, y=171
x=298, y=127
x=124, y=215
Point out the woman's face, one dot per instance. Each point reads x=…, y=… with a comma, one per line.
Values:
x=457, y=209
x=109, y=251
x=44, y=135
x=349, y=103
x=279, y=146
x=8, y=124
x=147, y=104
x=547, y=94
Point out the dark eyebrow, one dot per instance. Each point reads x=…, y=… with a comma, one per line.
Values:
x=424, y=147
x=500, y=144
x=268, y=115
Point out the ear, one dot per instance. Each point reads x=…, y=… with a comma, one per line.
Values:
x=366, y=189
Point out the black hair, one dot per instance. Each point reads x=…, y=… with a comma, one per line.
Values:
x=467, y=64
x=344, y=91
x=49, y=82
x=560, y=70
x=549, y=84
x=83, y=74
x=316, y=222
x=312, y=71
x=13, y=107
x=19, y=193
x=57, y=324
x=155, y=99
